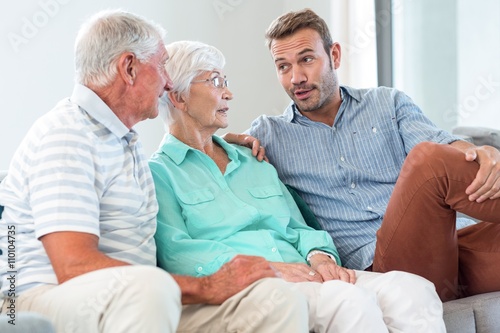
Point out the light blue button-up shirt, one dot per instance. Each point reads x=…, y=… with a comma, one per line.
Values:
x=347, y=172
x=205, y=217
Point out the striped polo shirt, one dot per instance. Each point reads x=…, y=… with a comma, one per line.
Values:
x=78, y=169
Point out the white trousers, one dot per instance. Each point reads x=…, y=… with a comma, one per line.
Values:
x=390, y=302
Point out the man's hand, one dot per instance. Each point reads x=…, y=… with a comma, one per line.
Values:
x=230, y=279
x=247, y=141
x=295, y=272
x=329, y=270
x=486, y=185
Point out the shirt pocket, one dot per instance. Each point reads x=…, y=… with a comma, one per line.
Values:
x=200, y=210
x=375, y=147
x=269, y=200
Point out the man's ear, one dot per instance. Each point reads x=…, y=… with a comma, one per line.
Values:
x=127, y=67
x=177, y=99
x=336, y=55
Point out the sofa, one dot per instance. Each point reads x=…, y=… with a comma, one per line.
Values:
x=479, y=313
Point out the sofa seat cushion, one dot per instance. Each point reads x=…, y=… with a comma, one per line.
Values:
x=478, y=313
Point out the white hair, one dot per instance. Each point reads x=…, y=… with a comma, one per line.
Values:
x=107, y=35
x=188, y=59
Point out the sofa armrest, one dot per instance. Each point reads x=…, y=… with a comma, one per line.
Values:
x=479, y=135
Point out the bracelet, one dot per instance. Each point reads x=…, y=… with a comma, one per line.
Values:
x=310, y=254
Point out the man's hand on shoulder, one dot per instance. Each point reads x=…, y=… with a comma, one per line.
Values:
x=247, y=141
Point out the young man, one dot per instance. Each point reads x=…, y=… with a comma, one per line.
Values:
x=344, y=149
x=80, y=209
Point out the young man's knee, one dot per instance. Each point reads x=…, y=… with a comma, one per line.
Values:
x=425, y=151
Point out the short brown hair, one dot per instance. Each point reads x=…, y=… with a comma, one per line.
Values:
x=291, y=22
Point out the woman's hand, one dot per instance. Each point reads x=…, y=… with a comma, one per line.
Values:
x=296, y=272
x=329, y=270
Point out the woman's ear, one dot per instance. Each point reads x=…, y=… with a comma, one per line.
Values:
x=177, y=99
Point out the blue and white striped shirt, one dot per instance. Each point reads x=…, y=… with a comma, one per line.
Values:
x=78, y=169
x=347, y=172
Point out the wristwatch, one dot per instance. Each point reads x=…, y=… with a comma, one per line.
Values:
x=313, y=252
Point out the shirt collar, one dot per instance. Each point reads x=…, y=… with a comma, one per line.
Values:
x=292, y=111
x=353, y=93
x=88, y=100
x=177, y=150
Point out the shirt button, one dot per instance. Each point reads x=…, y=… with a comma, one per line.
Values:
x=200, y=269
x=342, y=158
x=274, y=249
x=374, y=129
x=369, y=208
x=353, y=185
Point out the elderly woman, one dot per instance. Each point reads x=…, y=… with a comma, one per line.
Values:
x=216, y=201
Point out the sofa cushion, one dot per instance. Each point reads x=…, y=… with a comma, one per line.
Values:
x=479, y=313
x=459, y=318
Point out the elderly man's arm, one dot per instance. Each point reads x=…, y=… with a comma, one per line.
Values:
x=231, y=278
x=75, y=253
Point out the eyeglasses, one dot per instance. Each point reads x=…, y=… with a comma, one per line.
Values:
x=218, y=81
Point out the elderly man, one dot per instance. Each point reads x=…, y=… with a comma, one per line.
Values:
x=80, y=204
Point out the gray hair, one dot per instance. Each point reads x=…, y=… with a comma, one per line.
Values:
x=107, y=35
x=188, y=59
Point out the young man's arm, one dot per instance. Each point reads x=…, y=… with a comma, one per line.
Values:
x=486, y=185
x=247, y=141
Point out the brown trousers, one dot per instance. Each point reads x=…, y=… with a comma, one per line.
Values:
x=418, y=234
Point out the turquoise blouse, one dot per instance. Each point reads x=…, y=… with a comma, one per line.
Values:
x=206, y=218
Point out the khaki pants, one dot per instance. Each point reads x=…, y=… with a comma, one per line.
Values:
x=267, y=306
x=118, y=299
x=418, y=234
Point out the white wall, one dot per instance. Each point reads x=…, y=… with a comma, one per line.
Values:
x=426, y=57
x=448, y=59
x=478, y=63
x=37, y=55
